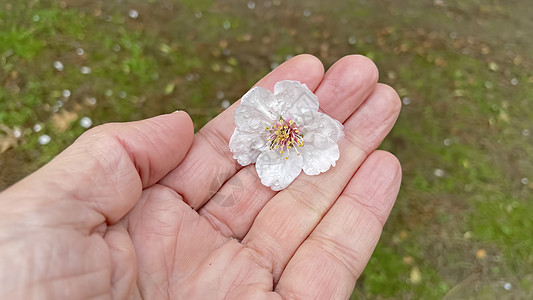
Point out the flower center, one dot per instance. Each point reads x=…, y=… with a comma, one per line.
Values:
x=283, y=135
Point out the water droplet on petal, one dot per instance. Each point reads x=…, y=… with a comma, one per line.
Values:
x=44, y=139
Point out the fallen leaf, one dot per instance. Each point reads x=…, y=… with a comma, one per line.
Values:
x=415, y=275
x=63, y=119
x=481, y=254
x=7, y=140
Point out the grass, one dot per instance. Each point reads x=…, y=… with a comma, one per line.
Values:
x=461, y=225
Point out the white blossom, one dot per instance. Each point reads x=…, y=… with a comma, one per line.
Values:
x=283, y=133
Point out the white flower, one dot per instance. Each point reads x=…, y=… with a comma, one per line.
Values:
x=283, y=133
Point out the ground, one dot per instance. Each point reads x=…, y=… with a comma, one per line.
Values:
x=462, y=224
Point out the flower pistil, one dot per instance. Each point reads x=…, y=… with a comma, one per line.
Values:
x=284, y=135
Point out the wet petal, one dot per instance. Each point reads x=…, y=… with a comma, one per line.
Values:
x=319, y=153
x=320, y=123
x=276, y=171
x=294, y=97
x=246, y=146
x=257, y=110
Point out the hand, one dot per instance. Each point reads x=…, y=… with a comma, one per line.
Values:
x=111, y=216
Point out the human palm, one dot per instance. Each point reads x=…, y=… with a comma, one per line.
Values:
x=144, y=209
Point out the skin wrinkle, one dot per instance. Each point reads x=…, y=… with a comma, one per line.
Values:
x=368, y=202
x=263, y=257
x=336, y=250
x=123, y=269
x=49, y=281
x=218, y=142
x=144, y=173
x=156, y=127
x=217, y=224
x=302, y=187
x=257, y=194
x=108, y=157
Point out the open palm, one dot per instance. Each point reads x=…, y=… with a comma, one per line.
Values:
x=146, y=209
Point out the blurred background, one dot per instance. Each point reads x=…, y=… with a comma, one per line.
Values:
x=461, y=228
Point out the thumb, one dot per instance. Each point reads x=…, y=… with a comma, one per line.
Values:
x=108, y=166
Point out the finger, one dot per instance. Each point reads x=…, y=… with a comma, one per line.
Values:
x=210, y=163
x=108, y=166
x=344, y=87
x=328, y=263
x=287, y=219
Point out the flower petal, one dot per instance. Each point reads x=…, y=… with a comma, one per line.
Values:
x=320, y=123
x=257, y=109
x=319, y=153
x=277, y=172
x=294, y=97
x=246, y=146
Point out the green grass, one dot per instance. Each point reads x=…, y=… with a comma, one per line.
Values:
x=466, y=67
